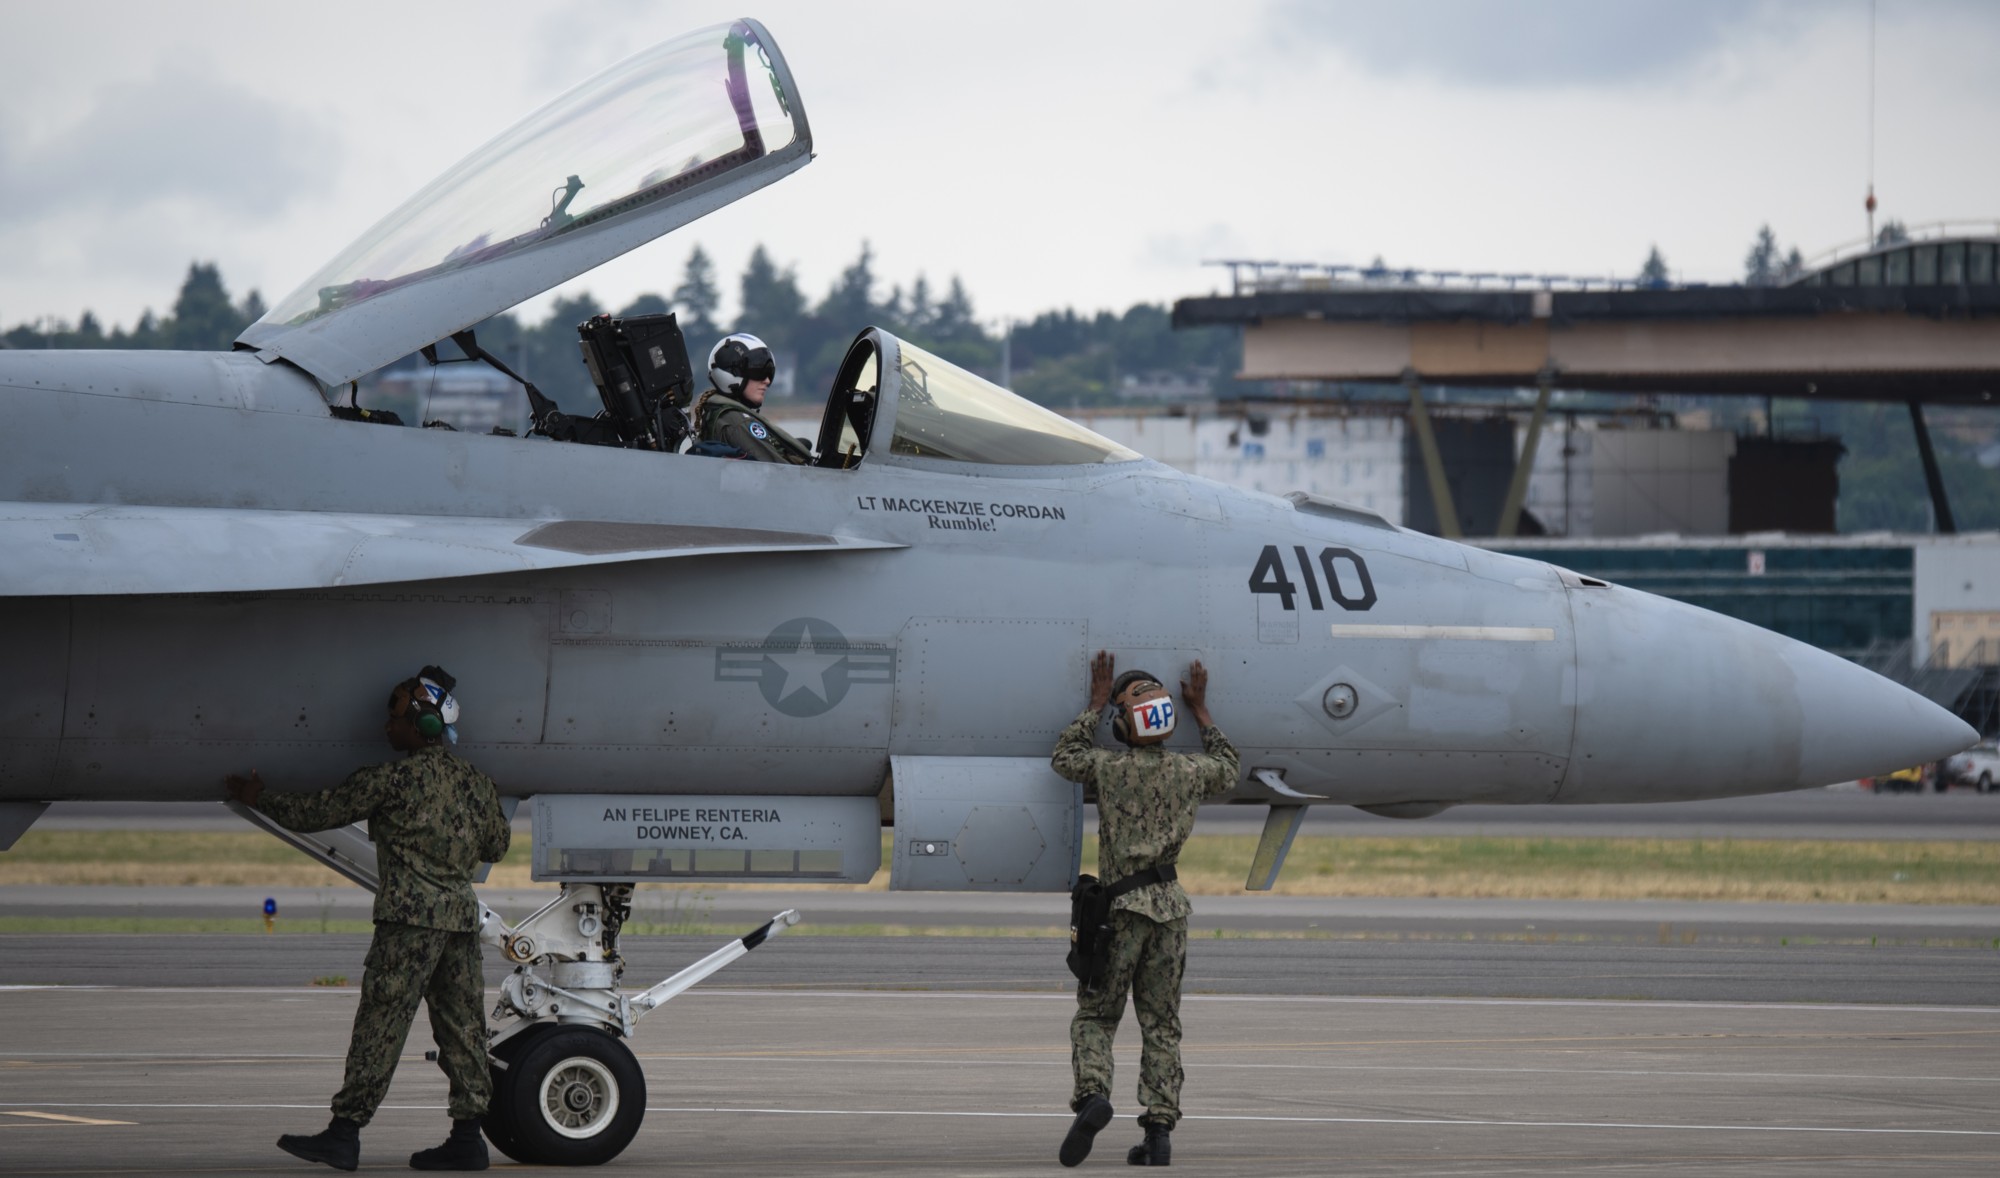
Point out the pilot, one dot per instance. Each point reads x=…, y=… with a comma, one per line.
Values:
x=433, y=819
x=1146, y=801
x=741, y=368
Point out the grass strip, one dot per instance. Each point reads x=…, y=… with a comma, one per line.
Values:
x=1791, y=870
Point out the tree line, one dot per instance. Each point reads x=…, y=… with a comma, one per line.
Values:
x=1059, y=358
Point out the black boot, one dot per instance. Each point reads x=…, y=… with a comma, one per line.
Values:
x=465, y=1149
x=338, y=1145
x=1156, y=1150
x=1092, y=1114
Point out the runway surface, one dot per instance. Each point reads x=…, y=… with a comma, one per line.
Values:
x=306, y=910
x=1839, y=812
x=871, y=1056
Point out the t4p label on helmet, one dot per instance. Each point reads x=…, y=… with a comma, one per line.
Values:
x=1153, y=717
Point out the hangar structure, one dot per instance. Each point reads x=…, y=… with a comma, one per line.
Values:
x=1917, y=321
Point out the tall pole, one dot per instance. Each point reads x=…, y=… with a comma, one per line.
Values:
x=1871, y=123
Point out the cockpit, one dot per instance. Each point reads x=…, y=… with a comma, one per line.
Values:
x=653, y=143
x=939, y=412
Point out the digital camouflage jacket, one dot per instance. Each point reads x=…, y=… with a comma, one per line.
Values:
x=1146, y=801
x=433, y=819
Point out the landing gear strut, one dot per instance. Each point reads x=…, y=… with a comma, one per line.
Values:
x=566, y=1088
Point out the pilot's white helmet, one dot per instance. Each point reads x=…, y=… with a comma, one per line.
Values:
x=738, y=358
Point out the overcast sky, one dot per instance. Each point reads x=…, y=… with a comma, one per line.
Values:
x=1050, y=154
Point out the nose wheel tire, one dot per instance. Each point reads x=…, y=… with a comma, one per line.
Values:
x=498, y=1123
x=572, y=1096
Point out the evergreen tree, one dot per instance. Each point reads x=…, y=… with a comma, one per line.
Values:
x=850, y=303
x=773, y=309
x=698, y=299
x=647, y=304
x=253, y=309
x=1793, y=266
x=917, y=317
x=204, y=318
x=1893, y=232
x=1761, y=264
x=1654, y=274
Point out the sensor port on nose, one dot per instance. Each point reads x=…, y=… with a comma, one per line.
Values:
x=1340, y=700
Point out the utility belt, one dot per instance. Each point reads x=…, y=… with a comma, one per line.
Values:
x=1090, y=918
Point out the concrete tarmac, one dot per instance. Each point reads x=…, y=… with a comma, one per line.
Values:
x=958, y=1065
x=307, y=910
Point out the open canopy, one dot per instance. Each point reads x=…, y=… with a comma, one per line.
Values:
x=650, y=144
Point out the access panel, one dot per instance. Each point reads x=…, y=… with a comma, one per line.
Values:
x=986, y=824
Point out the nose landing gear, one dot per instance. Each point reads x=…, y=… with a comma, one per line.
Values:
x=566, y=1088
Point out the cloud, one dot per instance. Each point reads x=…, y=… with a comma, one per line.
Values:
x=181, y=138
x=1539, y=44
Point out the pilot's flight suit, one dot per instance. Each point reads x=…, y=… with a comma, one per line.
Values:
x=433, y=819
x=725, y=419
x=1146, y=801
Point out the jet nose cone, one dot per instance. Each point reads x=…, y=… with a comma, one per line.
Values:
x=1675, y=702
x=1855, y=723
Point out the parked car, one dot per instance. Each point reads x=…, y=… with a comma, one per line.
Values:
x=1909, y=780
x=1977, y=766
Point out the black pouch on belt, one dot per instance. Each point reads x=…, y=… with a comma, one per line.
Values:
x=1090, y=918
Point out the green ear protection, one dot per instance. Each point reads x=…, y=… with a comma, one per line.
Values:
x=431, y=702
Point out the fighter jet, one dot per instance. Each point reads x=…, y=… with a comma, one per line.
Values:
x=705, y=669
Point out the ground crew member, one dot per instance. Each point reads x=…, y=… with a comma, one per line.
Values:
x=1146, y=801
x=433, y=819
x=741, y=369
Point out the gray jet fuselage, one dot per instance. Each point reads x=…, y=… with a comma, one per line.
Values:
x=1362, y=663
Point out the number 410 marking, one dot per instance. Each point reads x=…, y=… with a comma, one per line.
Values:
x=1270, y=577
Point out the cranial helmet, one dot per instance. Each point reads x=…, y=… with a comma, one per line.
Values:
x=432, y=706
x=1143, y=712
x=738, y=358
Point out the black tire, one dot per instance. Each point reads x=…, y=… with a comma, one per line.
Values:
x=498, y=1123
x=576, y=1099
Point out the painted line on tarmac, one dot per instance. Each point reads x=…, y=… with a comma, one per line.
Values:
x=967, y=1060
x=1426, y=1122
x=50, y=1120
x=1370, y=1000
x=1065, y=997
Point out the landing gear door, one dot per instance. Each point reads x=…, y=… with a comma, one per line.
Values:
x=989, y=824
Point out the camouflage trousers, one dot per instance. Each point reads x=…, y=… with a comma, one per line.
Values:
x=406, y=963
x=1147, y=960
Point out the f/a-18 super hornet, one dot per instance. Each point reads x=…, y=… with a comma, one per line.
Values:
x=699, y=669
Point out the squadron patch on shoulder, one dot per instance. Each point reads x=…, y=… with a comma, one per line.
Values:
x=758, y=431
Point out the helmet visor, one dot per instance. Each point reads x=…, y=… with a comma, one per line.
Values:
x=759, y=365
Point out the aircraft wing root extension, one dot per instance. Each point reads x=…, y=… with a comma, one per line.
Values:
x=77, y=550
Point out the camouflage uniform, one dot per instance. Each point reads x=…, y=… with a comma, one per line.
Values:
x=433, y=819
x=1146, y=802
x=725, y=419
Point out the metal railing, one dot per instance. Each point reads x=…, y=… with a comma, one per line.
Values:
x=1929, y=231
x=1252, y=276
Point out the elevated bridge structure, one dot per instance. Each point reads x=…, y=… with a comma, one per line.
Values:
x=1917, y=322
